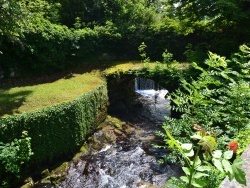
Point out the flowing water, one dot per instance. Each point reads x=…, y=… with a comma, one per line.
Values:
x=130, y=161
x=154, y=99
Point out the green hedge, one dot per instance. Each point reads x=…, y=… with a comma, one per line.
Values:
x=59, y=129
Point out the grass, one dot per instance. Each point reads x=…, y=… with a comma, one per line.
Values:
x=28, y=98
x=133, y=65
x=122, y=66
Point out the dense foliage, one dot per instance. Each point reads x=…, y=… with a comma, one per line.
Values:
x=45, y=36
x=13, y=157
x=216, y=104
x=53, y=132
x=48, y=36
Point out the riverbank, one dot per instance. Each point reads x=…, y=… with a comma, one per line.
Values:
x=119, y=154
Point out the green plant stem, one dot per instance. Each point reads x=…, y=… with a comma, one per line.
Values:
x=238, y=118
x=192, y=168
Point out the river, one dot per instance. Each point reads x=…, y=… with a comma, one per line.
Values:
x=128, y=160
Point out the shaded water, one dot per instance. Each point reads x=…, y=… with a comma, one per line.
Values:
x=130, y=161
x=153, y=98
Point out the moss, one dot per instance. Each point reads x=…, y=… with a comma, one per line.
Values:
x=27, y=185
x=61, y=169
x=45, y=173
x=115, y=122
x=84, y=148
x=59, y=174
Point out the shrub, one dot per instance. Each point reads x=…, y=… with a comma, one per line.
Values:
x=218, y=100
x=13, y=156
x=60, y=129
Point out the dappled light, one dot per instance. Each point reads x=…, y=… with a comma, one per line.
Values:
x=11, y=101
x=159, y=65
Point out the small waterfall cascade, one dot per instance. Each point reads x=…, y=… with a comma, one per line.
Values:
x=144, y=84
x=160, y=105
x=126, y=159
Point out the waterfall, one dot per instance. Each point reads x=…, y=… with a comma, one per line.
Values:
x=157, y=96
x=144, y=84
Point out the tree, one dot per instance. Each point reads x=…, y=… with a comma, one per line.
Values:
x=233, y=14
x=12, y=18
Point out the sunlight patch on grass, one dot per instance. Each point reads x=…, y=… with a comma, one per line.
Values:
x=123, y=67
x=136, y=65
x=28, y=98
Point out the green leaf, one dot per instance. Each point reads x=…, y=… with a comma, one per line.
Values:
x=197, y=162
x=189, y=153
x=231, y=176
x=239, y=175
x=238, y=162
x=227, y=166
x=203, y=168
x=217, y=154
x=206, y=156
x=217, y=164
x=186, y=170
x=228, y=154
x=248, y=126
x=187, y=146
x=198, y=183
x=184, y=178
x=199, y=175
x=208, y=143
x=196, y=137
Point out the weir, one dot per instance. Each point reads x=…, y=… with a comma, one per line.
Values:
x=129, y=161
x=144, y=84
x=158, y=105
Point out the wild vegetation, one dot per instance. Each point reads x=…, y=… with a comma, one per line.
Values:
x=215, y=105
x=44, y=37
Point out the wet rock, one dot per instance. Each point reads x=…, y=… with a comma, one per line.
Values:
x=28, y=183
x=145, y=185
x=118, y=132
x=45, y=181
x=129, y=129
x=147, y=138
x=61, y=170
x=115, y=122
x=45, y=173
x=110, y=136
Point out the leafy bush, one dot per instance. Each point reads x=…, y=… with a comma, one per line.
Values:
x=44, y=49
x=13, y=156
x=243, y=138
x=218, y=100
x=167, y=57
x=199, y=159
x=195, y=54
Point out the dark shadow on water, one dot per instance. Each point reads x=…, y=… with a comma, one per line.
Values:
x=9, y=103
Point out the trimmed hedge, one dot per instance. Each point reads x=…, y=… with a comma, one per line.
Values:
x=60, y=129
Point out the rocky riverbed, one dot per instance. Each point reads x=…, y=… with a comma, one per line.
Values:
x=120, y=153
